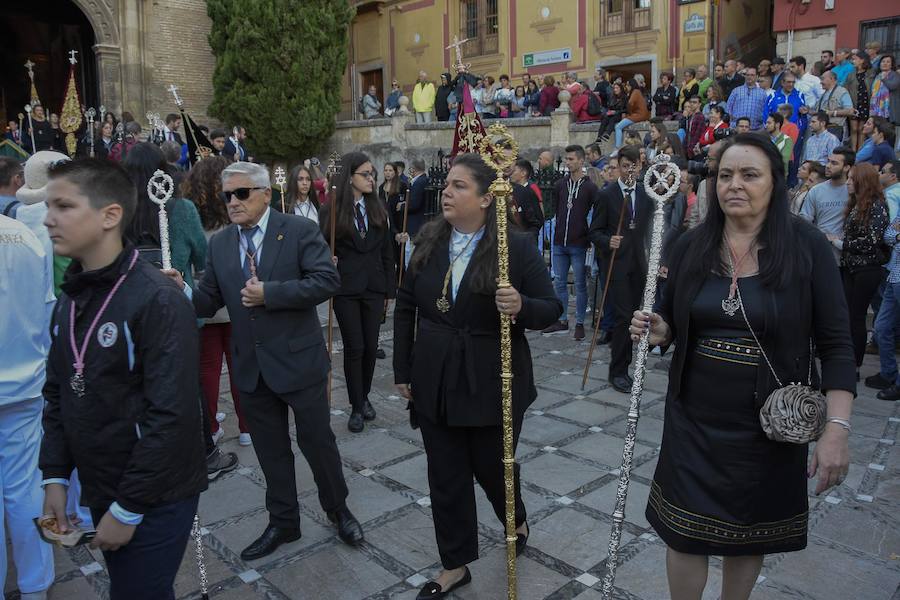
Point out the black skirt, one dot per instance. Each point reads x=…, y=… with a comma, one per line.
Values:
x=721, y=487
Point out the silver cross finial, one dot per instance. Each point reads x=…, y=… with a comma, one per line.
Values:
x=72, y=54
x=173, y=89
x=30, y=66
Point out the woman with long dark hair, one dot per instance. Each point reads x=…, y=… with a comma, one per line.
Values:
x=752, y=296
x=392, y=193
x=203, y=186
x=448, y=369
x=365, y=260
x=617, y=105
x=859, y=86
x=862, y=257
x=300, y=197
x=186, y=239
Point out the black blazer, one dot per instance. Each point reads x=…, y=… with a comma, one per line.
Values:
x=453, y=360
x=229, y=150
x=812, y=306
x=416, y=215
x=631, y=256
x=366, y=264
x=394, y=206
x=282, y=339
x=527, y=209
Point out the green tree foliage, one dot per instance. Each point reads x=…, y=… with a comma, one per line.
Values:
x=278, y=70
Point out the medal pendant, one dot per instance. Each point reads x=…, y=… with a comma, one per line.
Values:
x=631, y=224
x=442, y=304
x=77, y=384
x=731, y=306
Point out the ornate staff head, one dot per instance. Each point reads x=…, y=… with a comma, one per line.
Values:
x=334, y=165
x=657, y=182
x=280, y=180
x=160, y=188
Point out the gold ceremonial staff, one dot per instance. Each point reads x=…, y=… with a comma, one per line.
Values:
x=657, y=177
x=499, y=150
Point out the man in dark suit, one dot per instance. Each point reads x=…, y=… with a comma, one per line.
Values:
x=417, y=207
x=271, y=270
x=234, y=148
x=622, y=222
x=170, y=131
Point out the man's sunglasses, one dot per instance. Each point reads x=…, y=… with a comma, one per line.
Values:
x=240, y=193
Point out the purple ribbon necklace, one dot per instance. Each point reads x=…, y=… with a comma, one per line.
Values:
x=77, y=380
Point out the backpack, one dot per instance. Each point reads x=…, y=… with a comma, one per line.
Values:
x=594, y=106
x=11, y=209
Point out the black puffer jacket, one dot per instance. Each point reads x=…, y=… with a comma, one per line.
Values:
x=136, y=434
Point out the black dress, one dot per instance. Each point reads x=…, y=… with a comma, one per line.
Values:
x=721, y=487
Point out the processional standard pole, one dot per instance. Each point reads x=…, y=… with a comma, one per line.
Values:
x=334, y=167
x=499, y=150
x=657, y=177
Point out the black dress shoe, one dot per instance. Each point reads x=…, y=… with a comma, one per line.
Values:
x=349, y=528
x=522, y=540
x=380, y=353
x=356, y=423
x=368, y=411
x=604, y=338
x=629, y=379
x=891, y=394
x=433, y=590
x=269, y=541
x=878, y=382
x=621, y=384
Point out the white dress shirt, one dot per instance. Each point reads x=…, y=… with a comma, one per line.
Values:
x=459, y=249
x=258, y=238
x=306, y=209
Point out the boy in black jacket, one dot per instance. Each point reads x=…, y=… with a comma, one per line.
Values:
x=122, y=387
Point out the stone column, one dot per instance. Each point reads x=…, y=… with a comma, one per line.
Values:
x=560, y=119
x=133, y=57
x=109, y=65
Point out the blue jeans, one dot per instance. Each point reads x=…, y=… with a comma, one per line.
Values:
x=620, y=128
x=563, y=258
x=885, y=331
x=145, y=568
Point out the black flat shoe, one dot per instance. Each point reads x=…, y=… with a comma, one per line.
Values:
x=522, y=540
x=269, y=541
x=356, y=423
x=621, y=384
x=368, y=411
x=349, y=529
x=433, y=591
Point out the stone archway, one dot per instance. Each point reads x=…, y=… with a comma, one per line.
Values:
x=118, y=51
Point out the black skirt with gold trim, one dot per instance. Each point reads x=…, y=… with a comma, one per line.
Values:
x=721, y=487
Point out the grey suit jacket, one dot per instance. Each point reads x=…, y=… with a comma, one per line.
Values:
x=282, y=340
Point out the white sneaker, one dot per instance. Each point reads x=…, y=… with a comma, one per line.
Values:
x=218, y=435
x=220, y=416
x=244, y=439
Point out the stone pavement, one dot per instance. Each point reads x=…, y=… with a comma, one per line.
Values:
x=570, y=448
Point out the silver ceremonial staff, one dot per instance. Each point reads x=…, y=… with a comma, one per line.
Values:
x=659, y=188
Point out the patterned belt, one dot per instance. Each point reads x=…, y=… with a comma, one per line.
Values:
x=743, y=351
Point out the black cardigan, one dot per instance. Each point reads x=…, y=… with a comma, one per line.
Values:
x=811, y=306
x=452, y=360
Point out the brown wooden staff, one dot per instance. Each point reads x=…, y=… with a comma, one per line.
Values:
x=403, y=244
x=612, y=261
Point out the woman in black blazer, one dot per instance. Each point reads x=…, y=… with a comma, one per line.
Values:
x=392, y=193
x=365, y=261
x=447, y=362
x=721, y=486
